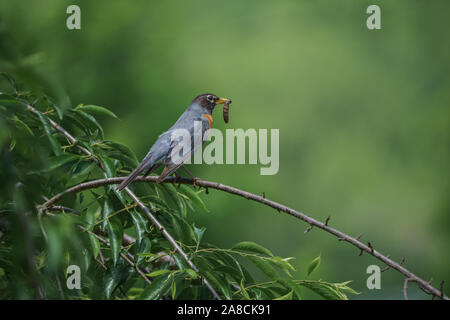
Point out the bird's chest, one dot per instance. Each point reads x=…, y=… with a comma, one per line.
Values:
x=208, y=118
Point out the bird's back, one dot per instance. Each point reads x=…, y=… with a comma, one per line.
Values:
x=161, y=147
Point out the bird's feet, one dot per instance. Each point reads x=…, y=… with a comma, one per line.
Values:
x=194, y=179
x=194, y=182
x=177, y=177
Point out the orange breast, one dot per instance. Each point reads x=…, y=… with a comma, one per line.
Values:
x=209, y=118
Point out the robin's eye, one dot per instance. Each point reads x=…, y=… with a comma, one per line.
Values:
x=210, y=98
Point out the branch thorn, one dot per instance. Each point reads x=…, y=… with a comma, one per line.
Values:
x=308, y=229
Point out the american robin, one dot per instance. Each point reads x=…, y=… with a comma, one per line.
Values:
x=200, y=109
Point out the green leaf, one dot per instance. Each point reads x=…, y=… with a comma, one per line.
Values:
x=313, y=265
x=252, y=247
x=141, y=225
x=10, y=79
x=230, y=261
x=116, y=276
x=61, y=160
x=122, y=149
x=243, y=290
x=143, y=249
x=265, y=267
x=115, y=231
x=344, y=288
x=11, y=103
x=283, y=264
x=174, y=289
x=219, y=283
x=248, y=277
x=290, y=284
x=107, y=210
x=179, y=261
x=157, y=202
x=96, y=110
x=191, y=273
x=56, y=147
x=234, y=273
x=23, y=126
x=108, y=166
x=182, y=229
x=123, y=158
x=194, y=197
x=172, y=194
x=73, y=119
x=90, y=121
x=95, y=244
x=86, y=168
x=58, y=111
x=198, y=233
x=325, y=290
x=157, y=288
x=158, y=272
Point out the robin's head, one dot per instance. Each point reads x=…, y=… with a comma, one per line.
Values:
x=208, y=101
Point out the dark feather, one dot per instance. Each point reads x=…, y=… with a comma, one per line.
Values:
x=135, y=173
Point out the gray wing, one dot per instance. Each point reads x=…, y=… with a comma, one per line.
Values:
x=192, y=146
x=161, y=149
x=172, y=166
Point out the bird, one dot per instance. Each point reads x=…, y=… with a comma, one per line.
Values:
x=200, y=109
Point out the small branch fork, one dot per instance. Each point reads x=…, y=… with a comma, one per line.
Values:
x=355, y=241
x=146, y=210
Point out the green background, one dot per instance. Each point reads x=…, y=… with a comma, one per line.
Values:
x=363, y=115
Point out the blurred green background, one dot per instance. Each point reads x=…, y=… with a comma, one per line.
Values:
x=363, y=115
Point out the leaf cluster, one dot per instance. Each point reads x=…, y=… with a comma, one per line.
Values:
x=87, y=229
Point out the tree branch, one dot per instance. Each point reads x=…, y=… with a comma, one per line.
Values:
x=135, y=198
x=426, y=286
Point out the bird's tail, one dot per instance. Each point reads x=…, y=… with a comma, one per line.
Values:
x=141, y=167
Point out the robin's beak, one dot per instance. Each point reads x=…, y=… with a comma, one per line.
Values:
x=221, y=100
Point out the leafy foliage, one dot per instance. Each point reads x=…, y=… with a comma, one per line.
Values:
x=87, y=229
